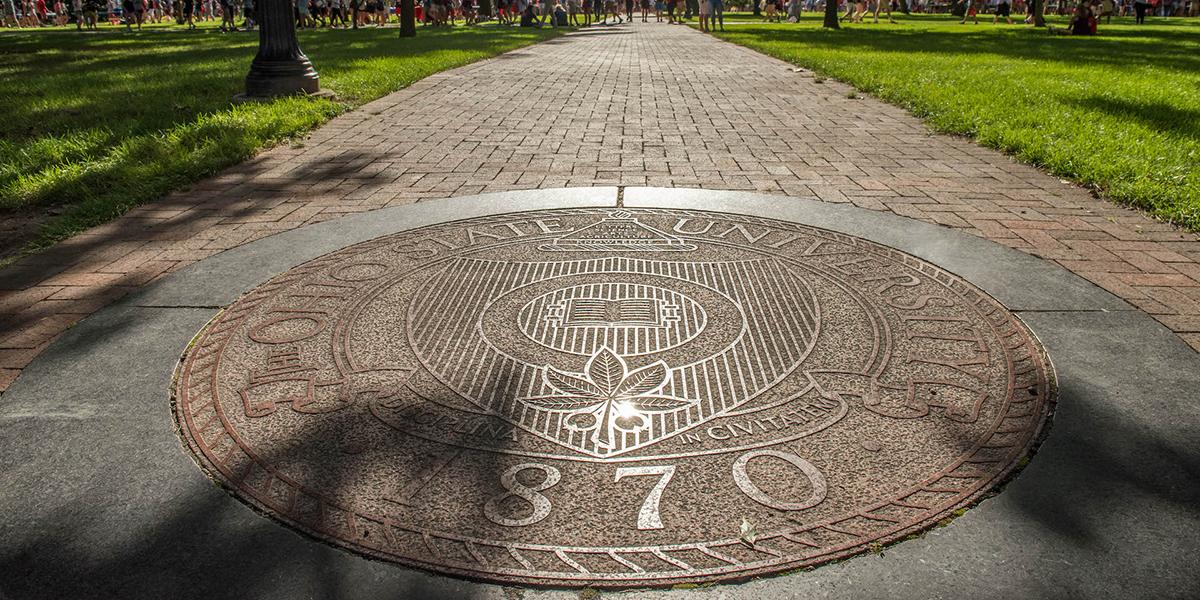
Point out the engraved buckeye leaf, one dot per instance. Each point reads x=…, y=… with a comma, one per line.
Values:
x=643, y=381
x=617, y=397
x=570, y=384
x=657, y=403
x=606, y=369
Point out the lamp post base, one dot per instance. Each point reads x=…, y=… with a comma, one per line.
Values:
x=286, y=77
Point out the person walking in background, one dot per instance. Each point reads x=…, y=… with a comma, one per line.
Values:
x=887, y=5
x=1139, y=10
x=613, y=8
x=718, y=13
x=323, y=9
x=247, y=14
x=794, y=10
x=91, y=10
x=1107, y=8
x=860, y=11
x=340, y=13
x=1003, y=9
x=302, y=15
x=127, y=13
x=227, y=16
x=971, y=12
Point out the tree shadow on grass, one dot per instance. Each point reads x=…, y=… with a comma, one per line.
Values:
x=96, y=67
x=1169, y=49
x=1167, y=118
x=73, y=107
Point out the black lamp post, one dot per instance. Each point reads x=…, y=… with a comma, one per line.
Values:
x=408, y=19
x=280, y=68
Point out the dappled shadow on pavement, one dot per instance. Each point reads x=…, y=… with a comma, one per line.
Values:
x=1104, y=487
x=133, y=527
x=43, y=294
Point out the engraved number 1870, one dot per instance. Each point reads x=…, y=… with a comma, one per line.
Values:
x=649, y=515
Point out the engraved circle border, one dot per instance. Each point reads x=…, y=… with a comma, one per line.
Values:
x=218, y=468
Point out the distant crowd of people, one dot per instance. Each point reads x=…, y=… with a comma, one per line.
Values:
x=524, y=13
x=86, y=14
x=856, y=10
x=557, y=13
x=583, y=13
x=1098, y=8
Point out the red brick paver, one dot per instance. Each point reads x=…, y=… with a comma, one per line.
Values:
x=653, y=105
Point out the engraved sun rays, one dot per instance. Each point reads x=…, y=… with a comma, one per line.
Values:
x=778, y=314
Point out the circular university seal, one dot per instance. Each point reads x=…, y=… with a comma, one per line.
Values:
x=612, y=398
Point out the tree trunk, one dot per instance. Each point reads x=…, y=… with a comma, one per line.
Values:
x=758, y=8
x=408, y=19
x=831, y=15
x=1039, y=13
x=904, y=7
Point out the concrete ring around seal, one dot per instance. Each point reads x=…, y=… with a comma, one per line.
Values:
x=603, y=388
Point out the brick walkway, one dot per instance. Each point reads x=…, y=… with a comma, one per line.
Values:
x=650, y=105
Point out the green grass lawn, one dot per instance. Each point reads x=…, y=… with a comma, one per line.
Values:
x=99, y=122
x=1119, y=112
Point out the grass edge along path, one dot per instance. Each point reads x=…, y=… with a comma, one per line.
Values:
x=1078, y=108
x=92, y=190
